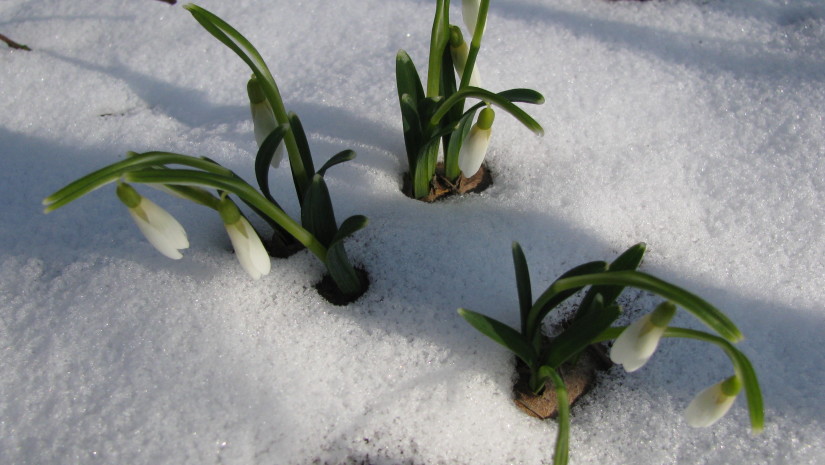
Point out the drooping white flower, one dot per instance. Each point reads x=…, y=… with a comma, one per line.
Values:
x=638, y=341
x=248, y=246
x=159, y=227
x=474, y=148
x=469, y=13
x=263, y=118
x=459, y=52
x=713, y=403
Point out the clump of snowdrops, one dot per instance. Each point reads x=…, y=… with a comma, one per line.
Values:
x=207, y=183
x=634, y=344
x=434, y=118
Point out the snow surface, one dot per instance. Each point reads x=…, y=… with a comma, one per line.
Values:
x=695, y=126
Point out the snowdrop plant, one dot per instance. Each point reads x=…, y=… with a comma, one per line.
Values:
x=591, y=324
x=435, y=119
x=195, y=179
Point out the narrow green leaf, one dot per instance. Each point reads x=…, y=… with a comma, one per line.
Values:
x=552, y=297
x=577, y=337
x=413, y=134
x=264, y=158
x=302, y=177
x=349, y=227
x=525, y=292
x=523, y=96
x=336, y=159
x=501, y=333
x=317, y=215
x=406, y=78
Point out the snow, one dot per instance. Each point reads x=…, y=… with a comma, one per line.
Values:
x=695, y=126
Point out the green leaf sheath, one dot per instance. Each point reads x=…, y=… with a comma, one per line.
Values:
x=560, y=456
x=705, y=312
x=115, y=171
x=238, y=187
x=264, y=158
x=490, y=98
x=233, y=39
x=525, y=292
x=503, y=334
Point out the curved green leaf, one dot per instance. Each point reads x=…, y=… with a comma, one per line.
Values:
x=264, y=158
x=525, y=292
x=490, y=98
x=336, y=159
x=317, y=215
x=349, y=227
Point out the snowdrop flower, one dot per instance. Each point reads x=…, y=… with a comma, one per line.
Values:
x=713, y=403
x=263, y=118
x=459, y=52
x=474, y=147
x=248, y=247
x=160, y=228
x=469, y=12
x=639, y=340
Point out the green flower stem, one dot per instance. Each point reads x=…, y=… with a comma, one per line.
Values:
x=233, y=39
x=439, y=39
x=560, y=455
x=741, y=366
x=238, y=187
x=490, y=98
x=114, y=171
x=475, y=44
x=701, y=309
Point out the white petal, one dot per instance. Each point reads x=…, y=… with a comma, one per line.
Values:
x=248, y=247
x=459, y=55
x=263, y=120
x=469, y=12
x=161, y=229
x=708, y=407
x=636, y=344
x=473, y=150
x=279, y=155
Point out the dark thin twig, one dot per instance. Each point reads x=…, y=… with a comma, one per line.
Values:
x=171, y=2
x=13, y=44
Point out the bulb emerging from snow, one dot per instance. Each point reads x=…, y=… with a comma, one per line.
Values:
x=160, y=228
x=263, y=118
x=638, y=341
x=248, y=246
x=713, y=403
x=474, y=148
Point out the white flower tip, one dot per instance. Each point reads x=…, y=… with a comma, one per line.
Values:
x=708, y=406
x=636, y=344
x=249, y=249
x=160, y=228
x=473, y=150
